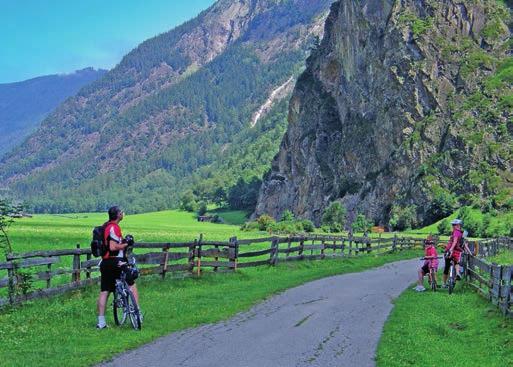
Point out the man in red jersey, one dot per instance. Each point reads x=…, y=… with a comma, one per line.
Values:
x=110, y=265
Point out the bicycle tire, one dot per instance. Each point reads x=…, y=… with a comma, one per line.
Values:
x=119, y=308
x=451, y=279
x=433, y=280
x=133, y=311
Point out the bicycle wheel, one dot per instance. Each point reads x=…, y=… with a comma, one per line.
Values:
x=119, y=308
x=433, y=280
x=452, y=279
x=133, y=311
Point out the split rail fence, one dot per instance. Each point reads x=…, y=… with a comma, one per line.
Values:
x=491, y=280
x=40, y=274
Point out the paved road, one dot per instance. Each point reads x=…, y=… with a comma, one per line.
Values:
x=336, y=321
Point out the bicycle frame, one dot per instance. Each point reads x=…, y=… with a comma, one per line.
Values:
x=124, y=301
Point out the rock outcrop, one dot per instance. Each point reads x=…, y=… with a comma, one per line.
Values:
x=396, y=111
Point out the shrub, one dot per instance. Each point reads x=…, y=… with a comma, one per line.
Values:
x=443, y=203
x=361, y=224
x=287, y=216
x=202, y=209
x=472, y=223
x=334, y=216
x=188, y=202
x=444, y=227
x=250, y=226
x=308, y=225
x=265, y=222
x=402, y=218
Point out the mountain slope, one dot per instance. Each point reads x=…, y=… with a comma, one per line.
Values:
x=136, y=136
x=404, y=113
x=23, y=105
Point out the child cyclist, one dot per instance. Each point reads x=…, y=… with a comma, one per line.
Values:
x=430, y=262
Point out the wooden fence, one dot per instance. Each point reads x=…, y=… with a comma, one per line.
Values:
x=490, y=280
x=40, y=274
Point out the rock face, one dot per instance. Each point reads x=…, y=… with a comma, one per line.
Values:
x=383, y=117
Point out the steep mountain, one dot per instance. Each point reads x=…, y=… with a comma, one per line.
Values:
x=172, y=106
x=403, y=113
x=23, y=105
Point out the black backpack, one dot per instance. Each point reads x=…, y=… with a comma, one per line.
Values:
x=98, y=246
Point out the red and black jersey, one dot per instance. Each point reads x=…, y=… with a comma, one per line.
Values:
x=113, y=233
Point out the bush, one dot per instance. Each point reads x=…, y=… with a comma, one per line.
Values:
x=334, y=216
x=188, y=202
x=361, y=224
x=287, y=216
x=308, y=225
x=202, y=210
x=471, y=223
x=443, y=203
x=265, y=222
x=402, y=218
x=444, y=227
x=250, y=226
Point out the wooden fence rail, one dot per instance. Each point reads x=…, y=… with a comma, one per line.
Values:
x=490, y=280
x=39, y=274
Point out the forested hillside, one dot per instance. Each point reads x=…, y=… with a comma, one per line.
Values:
x=178, y=107
x=23, y=105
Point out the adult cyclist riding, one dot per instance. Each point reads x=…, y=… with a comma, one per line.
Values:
x=112, y=262
x=453, y=250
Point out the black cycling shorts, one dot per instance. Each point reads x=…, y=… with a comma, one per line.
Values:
x=110, y=271
x=425, y=269
x=447, y=266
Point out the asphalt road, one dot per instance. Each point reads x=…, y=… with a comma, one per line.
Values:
x=335, y=321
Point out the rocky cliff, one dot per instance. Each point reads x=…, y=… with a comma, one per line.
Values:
x=405, y=107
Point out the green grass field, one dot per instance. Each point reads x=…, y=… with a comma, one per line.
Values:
x=435, y=329
x=45, y=232
x=179, y=303
x=61, y=330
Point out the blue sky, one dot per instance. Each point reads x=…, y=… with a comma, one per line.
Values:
x=40, y=37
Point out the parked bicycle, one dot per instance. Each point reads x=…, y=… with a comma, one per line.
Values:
x=432, y=275
x=451, y=280
x=124, y=304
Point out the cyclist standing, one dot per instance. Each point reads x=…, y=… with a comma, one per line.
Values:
x=453, y=250
x=110, y=265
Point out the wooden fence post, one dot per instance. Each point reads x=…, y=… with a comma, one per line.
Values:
x=234, y=252
x=368, y=242
x=350, y=244
x=273, y=260
x=88, y=267
x=394, y=243
x=165, y=261
x=323, y=247
x=506, y=289
x=198, y=250
x=301, y=248
x=12, y=280
x=216, y=258
x=75, y=277
x=192, y=254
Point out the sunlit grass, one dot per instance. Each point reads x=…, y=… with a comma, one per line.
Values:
x=438, y=329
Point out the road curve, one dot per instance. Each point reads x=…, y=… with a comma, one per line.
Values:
x=335, y=321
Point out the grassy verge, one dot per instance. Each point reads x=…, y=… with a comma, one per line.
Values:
x=435, y=329
x=61, y=330
x=504, y=257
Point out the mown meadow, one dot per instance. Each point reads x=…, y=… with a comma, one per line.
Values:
x=181, y=302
